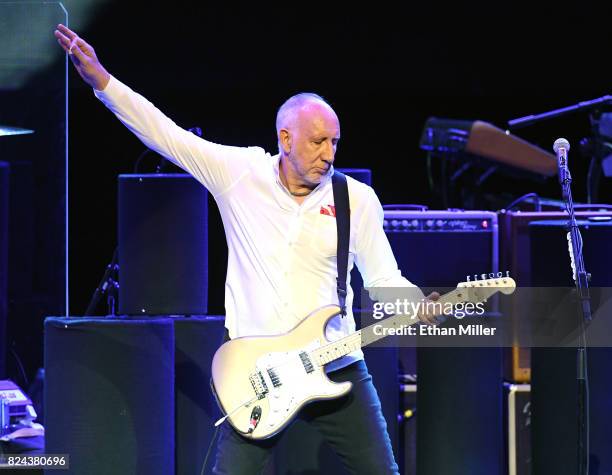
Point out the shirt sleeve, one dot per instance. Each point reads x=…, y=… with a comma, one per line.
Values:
x=217, y=167
x=374, y=256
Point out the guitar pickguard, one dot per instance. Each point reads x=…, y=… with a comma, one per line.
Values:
x=290, y=378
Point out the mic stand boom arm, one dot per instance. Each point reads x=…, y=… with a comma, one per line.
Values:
x=532, y=119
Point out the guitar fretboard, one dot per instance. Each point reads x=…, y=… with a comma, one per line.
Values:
x=364, y=337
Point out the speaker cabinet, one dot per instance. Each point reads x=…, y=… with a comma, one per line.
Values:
x=109, y=394
x=554, y=386
x=515, y=256
x=163, y=245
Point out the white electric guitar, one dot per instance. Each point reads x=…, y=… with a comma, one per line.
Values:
x=262, y=382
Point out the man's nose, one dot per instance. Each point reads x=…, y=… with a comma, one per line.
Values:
x=328, y=153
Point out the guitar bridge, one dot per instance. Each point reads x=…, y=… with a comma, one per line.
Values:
x=259, y=384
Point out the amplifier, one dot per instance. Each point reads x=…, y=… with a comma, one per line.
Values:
x=440, y=248
x=459, y=388
x=451, y=220
x=515, y=256
x=517, y=402
x=407, y=453
x=515, y=251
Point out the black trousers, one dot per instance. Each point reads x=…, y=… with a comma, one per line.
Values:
x=353, y=425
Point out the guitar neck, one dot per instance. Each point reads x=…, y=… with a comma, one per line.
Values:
x=366, y=336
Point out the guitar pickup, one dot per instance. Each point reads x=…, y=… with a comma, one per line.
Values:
x=306, y=362
x=274, y=377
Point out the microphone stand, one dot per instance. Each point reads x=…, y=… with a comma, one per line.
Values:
x=109, y=286
x=581, y=279
x=534, y=118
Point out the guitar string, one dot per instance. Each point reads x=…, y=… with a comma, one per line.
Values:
x=318, y=353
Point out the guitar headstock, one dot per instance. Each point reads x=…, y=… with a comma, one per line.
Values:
x=480, y=289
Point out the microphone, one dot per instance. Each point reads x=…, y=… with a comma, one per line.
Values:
x=561, y=147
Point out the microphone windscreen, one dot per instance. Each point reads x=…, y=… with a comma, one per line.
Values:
x=561, y=143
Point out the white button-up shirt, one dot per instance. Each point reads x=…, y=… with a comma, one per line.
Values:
x=281, y=254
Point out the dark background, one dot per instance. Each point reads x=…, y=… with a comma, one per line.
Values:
x=384, y=68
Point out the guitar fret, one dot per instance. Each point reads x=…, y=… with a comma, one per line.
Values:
x=466, y=291
x=337, y=349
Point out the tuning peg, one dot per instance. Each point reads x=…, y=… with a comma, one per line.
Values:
x=468, y=278
x=499, y=274
x=507, y=273
x=475, y=277
x=483, y=276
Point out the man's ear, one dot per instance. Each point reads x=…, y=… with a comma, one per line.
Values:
x=284, y=138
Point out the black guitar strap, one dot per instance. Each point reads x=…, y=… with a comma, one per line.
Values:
x=343, y=225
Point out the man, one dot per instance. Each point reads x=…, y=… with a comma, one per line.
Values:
x=279, y=221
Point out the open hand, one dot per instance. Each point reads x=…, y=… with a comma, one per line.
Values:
x=83, y=57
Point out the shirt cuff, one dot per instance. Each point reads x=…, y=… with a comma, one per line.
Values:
x=108, y=90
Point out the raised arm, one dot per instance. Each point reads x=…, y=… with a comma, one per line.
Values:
x=216, y=166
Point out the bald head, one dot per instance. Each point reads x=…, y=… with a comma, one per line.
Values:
x=303, y=106
x=288, y=113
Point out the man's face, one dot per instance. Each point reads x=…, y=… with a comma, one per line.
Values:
x=313, y=140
